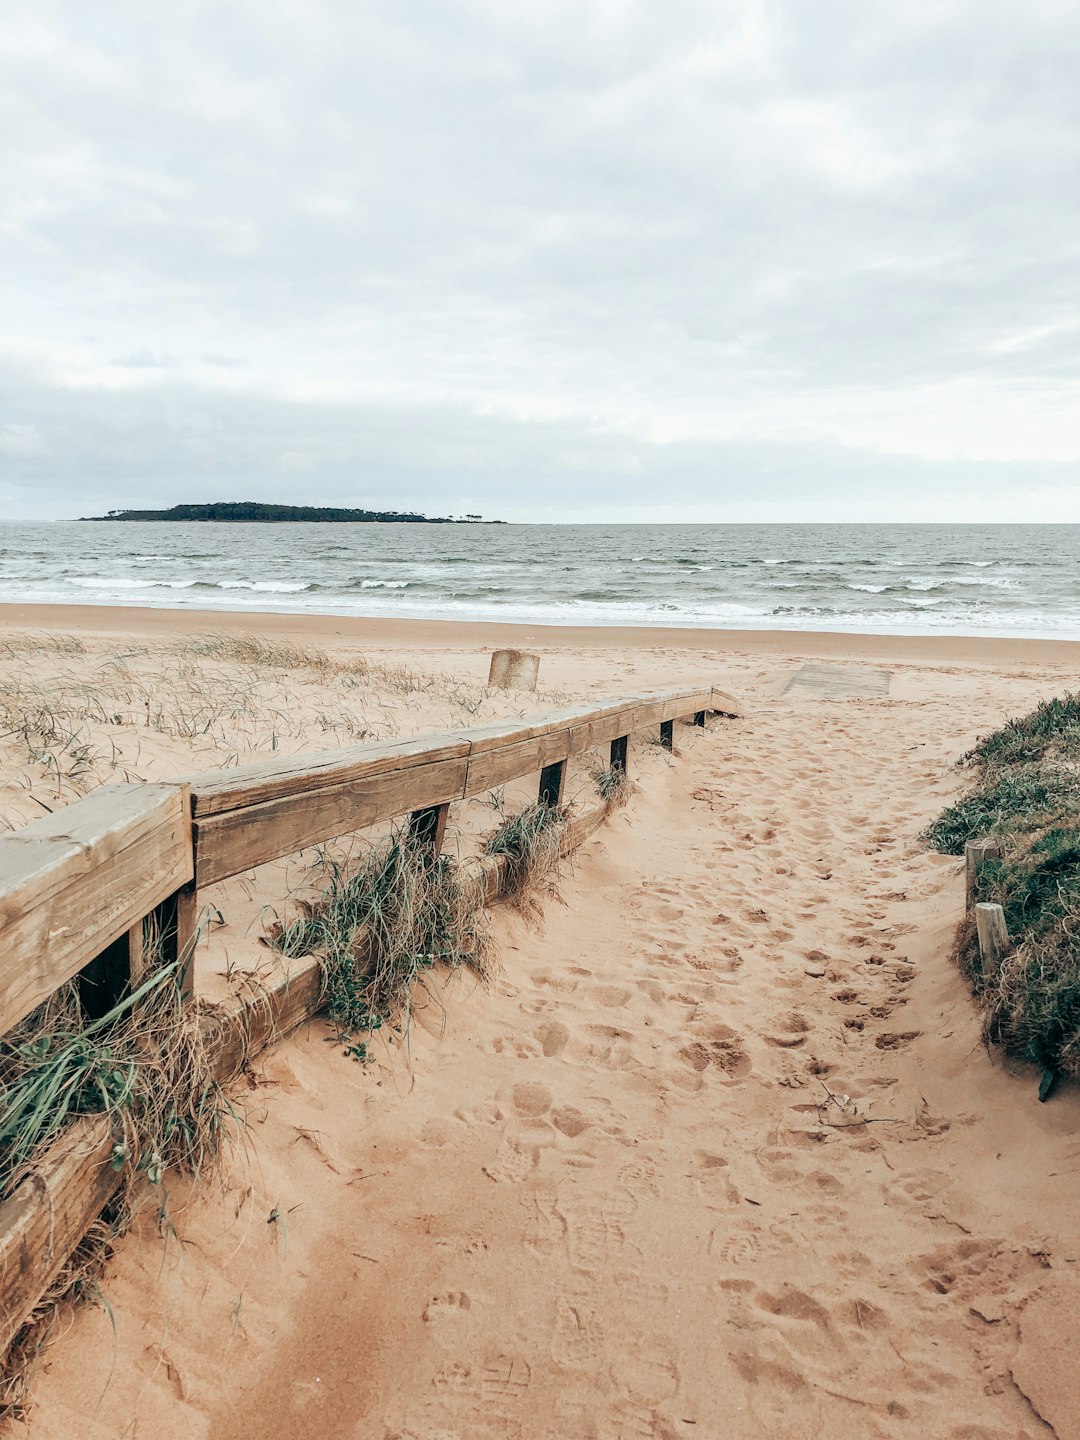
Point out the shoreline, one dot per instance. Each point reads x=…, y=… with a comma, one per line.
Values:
x=408, y=634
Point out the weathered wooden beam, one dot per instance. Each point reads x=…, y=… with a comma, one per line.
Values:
x=74, y=883
x=552, y=784
x=667, y=734
x=994, y=943
x=230, y=842
x=726, y=704
x=976, y=854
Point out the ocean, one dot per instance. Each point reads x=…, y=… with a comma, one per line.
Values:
x=911, y=579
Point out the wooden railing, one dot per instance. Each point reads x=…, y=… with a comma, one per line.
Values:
x=77, y=888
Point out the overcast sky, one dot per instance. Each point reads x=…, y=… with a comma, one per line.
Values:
x=589, y=260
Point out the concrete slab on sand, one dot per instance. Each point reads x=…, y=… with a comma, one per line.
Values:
x=840, y=682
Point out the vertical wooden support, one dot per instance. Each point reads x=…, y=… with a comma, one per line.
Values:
x=667, y=734
x=106, y=980
x=427, y=828
x=166, y=935
x=172, y=931
x=699, y=718
x=976, y=854
x=618, y=753
x=552, y=784
x=993, y=936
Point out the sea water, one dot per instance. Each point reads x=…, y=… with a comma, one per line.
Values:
x=914, y=579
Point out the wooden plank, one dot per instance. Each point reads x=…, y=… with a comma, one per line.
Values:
x=47, y=1216
x=994, y=943
x=230, y=843
x=724, y=703
x=255, y=784
x=74, y=882
x=976, y=854
x=527, y=757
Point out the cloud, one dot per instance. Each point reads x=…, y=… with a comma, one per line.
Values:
x=541, y=262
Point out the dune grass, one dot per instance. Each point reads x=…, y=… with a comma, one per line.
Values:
x=381, y=926
x=530, y=844
x=144, y=1067
x=1027, y=797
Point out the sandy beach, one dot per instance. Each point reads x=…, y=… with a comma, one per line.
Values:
x=718, y=1154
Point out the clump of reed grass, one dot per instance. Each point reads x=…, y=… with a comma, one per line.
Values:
x=613, y=785
x=142, y=1064
x=530, y=845
x=380, y=927
x=1028, y=799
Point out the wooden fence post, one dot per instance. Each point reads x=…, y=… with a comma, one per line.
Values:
x=172, y=929
x=993, y=936
x=619, y=749
x=667, y=734
x=976, y=854
x=552, y=784
x=427, y=828
x=106, y=980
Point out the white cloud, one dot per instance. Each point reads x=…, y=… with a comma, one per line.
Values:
x=742, y=256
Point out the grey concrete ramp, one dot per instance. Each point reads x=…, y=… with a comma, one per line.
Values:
x=839, y=682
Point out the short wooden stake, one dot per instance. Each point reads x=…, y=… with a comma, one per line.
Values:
x=699, y=718
x=513, y=670
x=427, y=828
x=552, y=784
x=667, y=734
x=976, y=854
x=993, y=936
x=619, y=749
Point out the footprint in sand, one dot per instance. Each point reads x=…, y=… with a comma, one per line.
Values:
x=553, y=1036
x=531, y=1099
x=514, y=1161
x=721, y=1049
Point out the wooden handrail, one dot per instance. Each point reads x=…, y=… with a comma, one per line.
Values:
x=76, y=886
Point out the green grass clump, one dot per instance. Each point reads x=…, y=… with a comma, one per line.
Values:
x=613, y=786
x=1011, y=801
x=530, y=844
x=379, y=928
x=1054, y=725
x=1028, y=799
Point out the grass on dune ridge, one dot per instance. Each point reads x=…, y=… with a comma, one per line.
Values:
x=1027, y=796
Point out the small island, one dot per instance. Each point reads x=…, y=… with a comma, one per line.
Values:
x=255, y=510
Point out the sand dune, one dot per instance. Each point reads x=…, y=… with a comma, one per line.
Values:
x=719, y=1155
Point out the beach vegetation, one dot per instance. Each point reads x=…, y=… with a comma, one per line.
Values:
x=381, y=925
x=1026, y=796
x=613, y=786
x=529, y=844
x=145, y=1067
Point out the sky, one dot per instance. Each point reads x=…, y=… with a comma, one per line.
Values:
x=584, y=261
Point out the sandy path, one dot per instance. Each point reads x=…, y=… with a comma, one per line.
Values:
x=610, y=1202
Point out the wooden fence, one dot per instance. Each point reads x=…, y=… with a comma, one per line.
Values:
x=77, y=888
